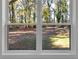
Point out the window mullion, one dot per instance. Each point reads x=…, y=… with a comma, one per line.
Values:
x=39, y=26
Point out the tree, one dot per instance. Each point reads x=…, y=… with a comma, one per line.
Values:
x=64, y=9
x=29, y=8
x=11, y=8
x=61, y=10
x=46, y=12
x=28, y=5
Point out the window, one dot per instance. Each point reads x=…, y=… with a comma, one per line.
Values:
x=39, y=26
x=22, y=24
x=56, y=24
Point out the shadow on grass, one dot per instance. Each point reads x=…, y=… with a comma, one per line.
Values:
x=26, y=44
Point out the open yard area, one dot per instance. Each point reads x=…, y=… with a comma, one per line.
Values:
x=54, y=37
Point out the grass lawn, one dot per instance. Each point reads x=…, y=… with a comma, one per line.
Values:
x=25, y=44
x=54, y=42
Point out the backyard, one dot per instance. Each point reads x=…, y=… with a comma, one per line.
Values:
x=54, y=37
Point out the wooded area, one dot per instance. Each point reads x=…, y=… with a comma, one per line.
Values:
x=24, y=11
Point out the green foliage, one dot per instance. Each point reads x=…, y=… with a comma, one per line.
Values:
x=12, y=1
x=64, y=6
x=12, y=9
x=61, y=7
x=46, y=14
x=29, y=0
x=58, y=16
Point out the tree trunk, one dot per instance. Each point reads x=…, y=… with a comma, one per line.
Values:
x=13, y=14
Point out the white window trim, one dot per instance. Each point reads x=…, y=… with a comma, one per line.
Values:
x=39, y=50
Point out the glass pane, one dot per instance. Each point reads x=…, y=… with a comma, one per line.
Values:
x=55, y=11
x=22, y=11
x=56, y=37
x=21, y=37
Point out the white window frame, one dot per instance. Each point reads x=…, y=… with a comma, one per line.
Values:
x=39, y=50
